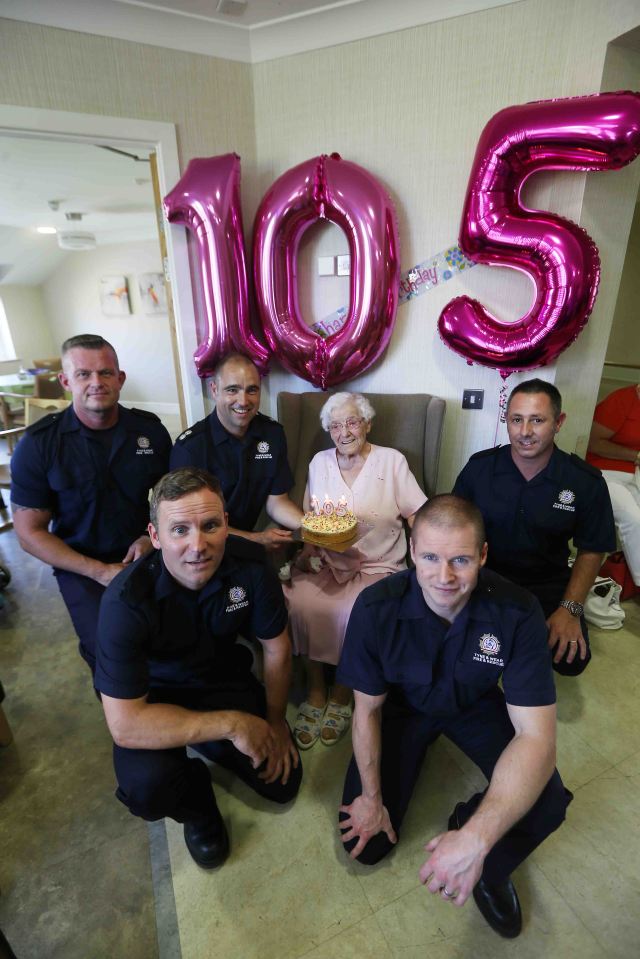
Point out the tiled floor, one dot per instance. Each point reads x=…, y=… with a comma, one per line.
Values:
x=76, y=868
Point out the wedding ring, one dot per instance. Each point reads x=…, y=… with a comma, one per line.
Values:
x=573, y=642
x=449, y=895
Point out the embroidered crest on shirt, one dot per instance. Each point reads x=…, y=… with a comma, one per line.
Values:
x=263, y=451
x=566, y=498
x=489, y=649
x=237, y=599
x=144, y=445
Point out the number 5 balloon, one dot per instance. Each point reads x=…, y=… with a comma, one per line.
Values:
x=582, y=133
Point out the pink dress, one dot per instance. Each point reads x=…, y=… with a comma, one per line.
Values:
x=384, y=492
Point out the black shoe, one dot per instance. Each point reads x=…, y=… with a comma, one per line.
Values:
x=498, y=904
x=454, y=818
x=207, y=841
x=500, y=907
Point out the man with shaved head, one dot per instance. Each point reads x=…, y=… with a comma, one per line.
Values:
x=246, y=450
x=80, y=482
x=424, y=653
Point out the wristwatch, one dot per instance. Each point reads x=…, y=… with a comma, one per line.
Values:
x=576, y=609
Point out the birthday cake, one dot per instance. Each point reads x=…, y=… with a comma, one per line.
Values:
x=331, y=527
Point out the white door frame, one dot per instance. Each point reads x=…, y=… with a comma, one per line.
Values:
x=130, y=134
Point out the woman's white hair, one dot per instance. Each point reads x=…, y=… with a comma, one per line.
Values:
x=362, y=404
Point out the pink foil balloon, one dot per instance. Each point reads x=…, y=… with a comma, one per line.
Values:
x=583, y=133
x=330, y=188
x=206, y=199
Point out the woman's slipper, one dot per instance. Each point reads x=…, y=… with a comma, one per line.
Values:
x=336, y=722
x=306, y=730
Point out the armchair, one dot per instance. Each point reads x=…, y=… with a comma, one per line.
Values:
x=411, y=423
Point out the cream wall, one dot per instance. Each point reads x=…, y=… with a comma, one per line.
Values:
x=72, y=302
x=410, y=107
x=624, y=342
x=27, y=319
x=209, y=100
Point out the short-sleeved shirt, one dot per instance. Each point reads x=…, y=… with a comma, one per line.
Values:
x=249, y=469
x=395, y=644
x=620, y=412
x=154, y=634
x=95, y=482
x=530, y=523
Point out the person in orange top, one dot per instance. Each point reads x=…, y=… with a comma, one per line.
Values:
x=614, y=447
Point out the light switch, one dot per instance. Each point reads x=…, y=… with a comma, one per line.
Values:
x=326, y=265
x=344, y=265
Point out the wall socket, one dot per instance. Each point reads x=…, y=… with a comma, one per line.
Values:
x=472, y=399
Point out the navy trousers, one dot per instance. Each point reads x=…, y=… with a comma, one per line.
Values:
x=482, y=733
x=82, y=597
x=154, y=783
x=549, y=597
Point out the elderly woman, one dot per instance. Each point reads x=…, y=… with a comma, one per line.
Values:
x=380, y=489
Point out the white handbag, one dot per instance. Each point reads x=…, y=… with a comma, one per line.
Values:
x=602, y=606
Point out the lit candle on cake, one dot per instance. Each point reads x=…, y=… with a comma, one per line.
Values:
x=341, y=508
x=328, y=507
x=315, y=505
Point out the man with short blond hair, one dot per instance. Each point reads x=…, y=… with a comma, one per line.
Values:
x=424, y=653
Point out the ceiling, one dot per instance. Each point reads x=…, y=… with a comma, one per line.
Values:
x=112, y=191
x=263, y=30
x=252, y=13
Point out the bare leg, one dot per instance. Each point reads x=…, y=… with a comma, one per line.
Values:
x=338, y=714
x=307, y=727
x=317, y=694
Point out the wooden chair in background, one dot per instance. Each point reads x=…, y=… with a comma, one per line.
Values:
x=48, y=386
x=36, y=407
x=12, y=436
x=53, y=363
x=12, y=414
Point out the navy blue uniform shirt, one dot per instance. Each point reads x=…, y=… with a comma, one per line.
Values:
x=529, y=523
x=396, y=644
x=97, y=491
x=153, y=634
x=249, y=469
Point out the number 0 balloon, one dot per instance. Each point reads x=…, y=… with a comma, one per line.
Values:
x=583, y=133
x=330, y=188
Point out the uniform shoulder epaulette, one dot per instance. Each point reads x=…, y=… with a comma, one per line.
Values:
x=269, y=419
x=147, y=413
x=45, y=423
x=499, y=588
x=139, y=585
x=490, y=452
x=245, y=549
x=192, y=431
x=582, y=464
x=391, y=587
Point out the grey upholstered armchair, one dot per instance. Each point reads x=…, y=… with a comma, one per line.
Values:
x=411, y=423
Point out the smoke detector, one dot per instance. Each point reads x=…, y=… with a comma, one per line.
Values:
x=76, y=240
x=232, y=8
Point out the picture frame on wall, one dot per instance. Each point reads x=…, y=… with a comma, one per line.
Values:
x=114, y=296
x=152, y=292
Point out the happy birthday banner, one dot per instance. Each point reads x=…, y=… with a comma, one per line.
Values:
x=414, y=282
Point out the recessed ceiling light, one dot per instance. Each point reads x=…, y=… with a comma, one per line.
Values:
x=46, y=229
